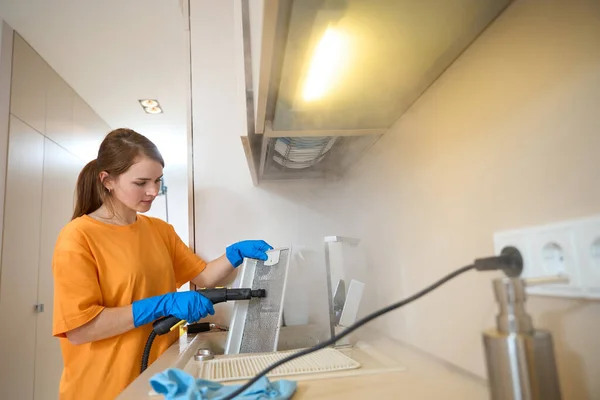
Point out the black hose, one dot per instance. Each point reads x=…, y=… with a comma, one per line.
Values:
x=350, y=329
x=147, y=347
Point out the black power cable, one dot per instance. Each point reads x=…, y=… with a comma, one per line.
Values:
x=353, y=327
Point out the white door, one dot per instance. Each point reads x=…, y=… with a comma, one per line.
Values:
x=20, y=260
x=61, y=169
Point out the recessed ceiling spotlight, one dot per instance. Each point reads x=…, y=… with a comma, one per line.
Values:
x=149, y=103
x=151, y=106
x=153, y=110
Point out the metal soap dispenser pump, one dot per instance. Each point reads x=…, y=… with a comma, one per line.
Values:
x=519, y=358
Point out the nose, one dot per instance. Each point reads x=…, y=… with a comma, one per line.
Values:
x=152, y=192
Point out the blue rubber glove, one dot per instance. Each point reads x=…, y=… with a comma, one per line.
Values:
x=190, y=306
x=256, y=249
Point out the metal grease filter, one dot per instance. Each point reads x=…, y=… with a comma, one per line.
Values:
x=255, y=324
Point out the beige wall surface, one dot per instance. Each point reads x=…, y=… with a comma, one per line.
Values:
x=508, y=137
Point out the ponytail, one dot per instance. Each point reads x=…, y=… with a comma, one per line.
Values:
x=89, y=191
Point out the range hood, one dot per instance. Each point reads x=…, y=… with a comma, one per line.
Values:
x=326, y=78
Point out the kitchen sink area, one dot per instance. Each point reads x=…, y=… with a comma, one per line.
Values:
x=383, y=367
x=355, y=359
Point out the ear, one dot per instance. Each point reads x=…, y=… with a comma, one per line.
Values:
x=106, y=181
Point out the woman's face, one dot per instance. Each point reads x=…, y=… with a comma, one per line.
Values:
x=138, y=187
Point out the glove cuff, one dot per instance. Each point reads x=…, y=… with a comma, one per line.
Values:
x=234, y=256
x=147, y=310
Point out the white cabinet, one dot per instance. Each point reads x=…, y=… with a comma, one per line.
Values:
x=49, y=123
x=60, y=100
x=39, y=201
x=20, y=260
x=59, y=179
x=88, y=131
x=29, y=81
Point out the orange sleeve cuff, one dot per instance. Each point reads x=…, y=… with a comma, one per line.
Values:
x=62, y=326
x=192, y=273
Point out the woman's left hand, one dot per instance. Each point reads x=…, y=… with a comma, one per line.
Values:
x=256, y=249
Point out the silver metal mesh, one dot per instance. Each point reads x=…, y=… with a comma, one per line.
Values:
x=263, y=319
x=255, y=324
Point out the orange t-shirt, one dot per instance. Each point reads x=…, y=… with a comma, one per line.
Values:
x=98, y=265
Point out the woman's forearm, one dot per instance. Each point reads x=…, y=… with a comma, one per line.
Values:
x=110, y=322
x=215, y=273
x=118, y=320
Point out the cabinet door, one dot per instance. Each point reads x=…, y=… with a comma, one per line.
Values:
x=59, y=110
x=61, y=169
x=29, y=81
x=20, y=260
x=88, y=131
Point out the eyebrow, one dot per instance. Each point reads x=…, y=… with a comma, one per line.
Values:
x=148, y=179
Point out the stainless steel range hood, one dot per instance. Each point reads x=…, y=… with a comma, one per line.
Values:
x=326, y=78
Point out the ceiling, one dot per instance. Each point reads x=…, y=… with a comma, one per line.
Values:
x=112, y=53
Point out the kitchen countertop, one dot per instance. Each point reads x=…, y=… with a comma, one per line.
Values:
x=415, y=375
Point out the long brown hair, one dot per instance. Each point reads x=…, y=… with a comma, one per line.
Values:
x=118, y=152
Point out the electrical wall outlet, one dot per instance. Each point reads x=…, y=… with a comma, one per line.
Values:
x=568, y=248
x=522, y=242
x=553, y=250
x=587, y=240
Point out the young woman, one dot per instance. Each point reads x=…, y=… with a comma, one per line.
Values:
x=116, y=271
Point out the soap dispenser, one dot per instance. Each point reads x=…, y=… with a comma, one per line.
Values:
x=519, y=358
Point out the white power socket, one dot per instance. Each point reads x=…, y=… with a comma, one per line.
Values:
x=568, y=248
x=587, y=240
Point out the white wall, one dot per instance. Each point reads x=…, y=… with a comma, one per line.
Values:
x=228, y=208
x=507, y=137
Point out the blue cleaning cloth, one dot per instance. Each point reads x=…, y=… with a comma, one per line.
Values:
x=176, y=384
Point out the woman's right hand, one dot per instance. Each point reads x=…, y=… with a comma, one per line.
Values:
x=190, y=306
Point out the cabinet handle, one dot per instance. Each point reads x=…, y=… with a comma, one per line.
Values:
x=39, y=308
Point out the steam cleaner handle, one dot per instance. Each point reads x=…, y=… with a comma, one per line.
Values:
x=216, y=295
x=167, y=324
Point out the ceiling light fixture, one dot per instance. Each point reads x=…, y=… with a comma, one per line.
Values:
x=149, y=103
x=153, y=110
x=151, y=106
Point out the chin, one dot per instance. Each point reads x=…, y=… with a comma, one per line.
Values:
x=144, y=207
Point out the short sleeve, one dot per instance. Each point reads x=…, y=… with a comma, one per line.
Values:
x=77, y=294
x=186, y=263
